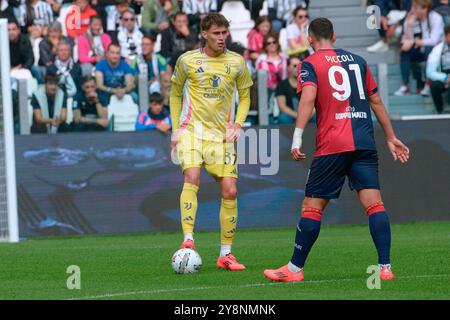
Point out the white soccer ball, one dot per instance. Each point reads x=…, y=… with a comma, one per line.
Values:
x=186, y=261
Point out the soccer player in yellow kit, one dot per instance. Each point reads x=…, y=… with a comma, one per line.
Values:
x=202, y=100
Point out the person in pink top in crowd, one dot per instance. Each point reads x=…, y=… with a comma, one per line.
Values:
x=273, y=60
x=255, y=37
x=92, y=45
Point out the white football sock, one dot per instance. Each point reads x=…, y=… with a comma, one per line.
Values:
x=225, y=249
x=384, y=265
x=293, y=268
x=188, y=236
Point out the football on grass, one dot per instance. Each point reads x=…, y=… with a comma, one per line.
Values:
x=186, y=261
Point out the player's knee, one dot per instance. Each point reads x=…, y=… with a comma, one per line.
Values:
x=230, y=192
x=375, y=207
x=192, y=177
x=312, y=213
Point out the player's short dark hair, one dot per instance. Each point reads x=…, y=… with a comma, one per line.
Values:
x=156, y=97
x=214, y=19
x=447, y=29
x=113, y=44
x=321, y=28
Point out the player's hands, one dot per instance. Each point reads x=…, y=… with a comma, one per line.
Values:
x=233, y=132
x=297, y=155
x=173, y=145
x=398, y=150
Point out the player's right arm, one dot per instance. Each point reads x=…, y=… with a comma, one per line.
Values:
x=305, y=109
x=176, y=96
x=307, y=85
x=396, y=147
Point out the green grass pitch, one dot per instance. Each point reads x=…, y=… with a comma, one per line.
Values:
x=138, y=266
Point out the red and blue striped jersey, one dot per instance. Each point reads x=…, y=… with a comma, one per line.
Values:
x=344, y=83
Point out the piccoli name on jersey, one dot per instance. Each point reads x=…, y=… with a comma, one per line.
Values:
x=341, y=58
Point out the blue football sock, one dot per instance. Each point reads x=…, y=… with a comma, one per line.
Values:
x=381, y=234
x=307, y=233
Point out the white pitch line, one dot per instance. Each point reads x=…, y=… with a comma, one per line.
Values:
x=132, y=293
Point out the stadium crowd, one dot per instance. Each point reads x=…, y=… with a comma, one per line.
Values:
x=90, y=54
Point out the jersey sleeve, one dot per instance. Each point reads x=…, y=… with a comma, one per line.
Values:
x=244, y=80
x=371, y=85
x=180, y=73
x=306, y=76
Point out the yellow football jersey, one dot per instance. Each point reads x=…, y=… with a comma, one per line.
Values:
x=209, y=85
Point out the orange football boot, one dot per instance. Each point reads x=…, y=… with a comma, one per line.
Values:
x=386, y=273
x=188, y=244
x=229, y=262
x=283, y=274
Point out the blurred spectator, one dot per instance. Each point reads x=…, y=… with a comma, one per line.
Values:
x=39, y=15
x=254, y=6
x=273, y=60
x=156, y=15
x=280, y=11
x=297, y=34
x=69, y=71
x=129, y=37
x=392, y=16
x=423, y=29
x=88, y=113
x=49, y=107
x=443, y=8
x=78, y=18
x=156, y=117
x=48, y=45
x=255, y=37
x=191, y=43
x=6, y=11
x=151, y=63
x=166, y=84
x=173, y=39
x=114, y=76
x=438, y=71
x=92, y=45
x=286, y=94
x=196, y=10
x=56, y=6
x=20, y=51
x=113, y=15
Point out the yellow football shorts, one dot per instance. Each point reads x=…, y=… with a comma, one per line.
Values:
x=218, y=158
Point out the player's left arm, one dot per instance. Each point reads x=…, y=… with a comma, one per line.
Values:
x=398, y=150
x=243, y=84
x=396, y=147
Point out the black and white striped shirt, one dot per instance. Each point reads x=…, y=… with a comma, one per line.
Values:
x=284, y=8
x=42, y=14
x=199, y=6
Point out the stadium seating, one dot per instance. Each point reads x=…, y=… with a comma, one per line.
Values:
x=264, y=10
x=122, y=113
x=240, y=21
x=283, y=40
